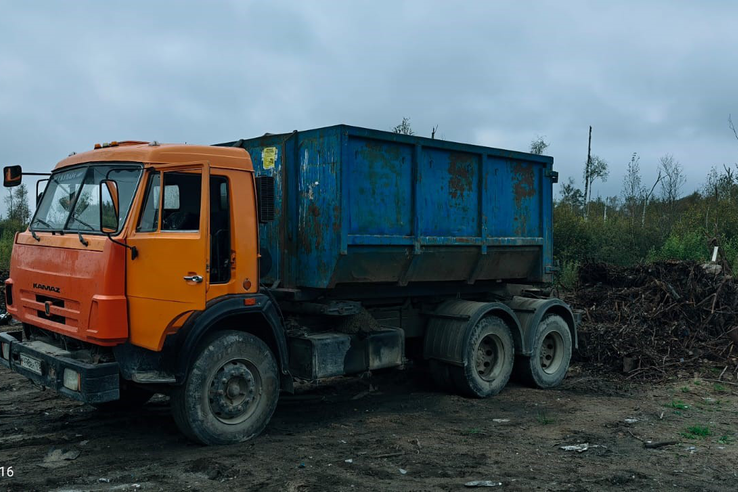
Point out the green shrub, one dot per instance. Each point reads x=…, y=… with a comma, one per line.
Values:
x=568, y=275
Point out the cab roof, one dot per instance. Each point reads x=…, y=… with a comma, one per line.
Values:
x=128, y=151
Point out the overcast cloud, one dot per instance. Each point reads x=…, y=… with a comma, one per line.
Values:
x=653, y=79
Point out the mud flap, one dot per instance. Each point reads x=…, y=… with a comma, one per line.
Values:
x=450, y=327
x=530, y=312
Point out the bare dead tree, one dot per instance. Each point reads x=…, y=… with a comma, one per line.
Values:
x=647, y=197
x=632, y=188
x=732, y=126
x=586, y=167
x=598, y=169
x=672, y=182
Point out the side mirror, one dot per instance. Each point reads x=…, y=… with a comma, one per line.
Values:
x=109, y=211
x=12, y=176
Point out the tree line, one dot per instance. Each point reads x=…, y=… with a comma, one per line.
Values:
x=646, y=221
x=16, y=220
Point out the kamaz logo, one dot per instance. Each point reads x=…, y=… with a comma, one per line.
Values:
x=46, y=287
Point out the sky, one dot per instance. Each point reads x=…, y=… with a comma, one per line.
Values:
x=649, y=77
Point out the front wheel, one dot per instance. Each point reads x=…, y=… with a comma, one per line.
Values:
x=551, y=349
x=231, y=391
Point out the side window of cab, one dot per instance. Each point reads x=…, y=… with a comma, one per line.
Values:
x=179, y=207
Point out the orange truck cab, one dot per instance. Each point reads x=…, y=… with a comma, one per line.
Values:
x=143, y=271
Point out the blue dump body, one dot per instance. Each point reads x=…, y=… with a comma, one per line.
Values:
x=359, y=206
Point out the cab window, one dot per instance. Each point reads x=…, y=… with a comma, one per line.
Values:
x=179, y=207
x=220, y=230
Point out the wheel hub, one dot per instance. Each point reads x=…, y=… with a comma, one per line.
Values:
x=489, y=357
x=232, y=391
x=551, y=352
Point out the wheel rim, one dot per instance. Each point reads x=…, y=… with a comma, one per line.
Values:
x=234, y=391
x=489, y=358
x=552, y=352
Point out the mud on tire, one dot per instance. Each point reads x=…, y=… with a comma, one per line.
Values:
x=231, y=390
x=488, y=359
x=552, y=347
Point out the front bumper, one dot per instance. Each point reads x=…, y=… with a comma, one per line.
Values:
x=98, y=383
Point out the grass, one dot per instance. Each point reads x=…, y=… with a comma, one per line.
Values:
x=726, y=439
x=696, y=432
x=543, y=419
x=685, y=389
x=471, y=432
x=677, y=404
x=719, y=388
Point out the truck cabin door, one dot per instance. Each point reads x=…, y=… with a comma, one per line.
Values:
x=168, y=278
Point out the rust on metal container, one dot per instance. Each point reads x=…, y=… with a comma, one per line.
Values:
x=524, y=178
x=460, y=169
x=311, y=235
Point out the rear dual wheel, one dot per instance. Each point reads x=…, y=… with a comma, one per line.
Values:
x=488, y=361
x=552, y=348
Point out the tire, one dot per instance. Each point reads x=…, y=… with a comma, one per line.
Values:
x=231, y=390
x=551, y=349
x=131, y=397
x=488, y=359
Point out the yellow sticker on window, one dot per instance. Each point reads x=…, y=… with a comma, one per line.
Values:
x=268, y=156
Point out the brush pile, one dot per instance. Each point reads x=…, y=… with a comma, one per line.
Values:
x=652, y=320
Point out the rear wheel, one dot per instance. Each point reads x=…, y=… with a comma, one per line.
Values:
x=488, y=359
x=551, y=350
x=231, y=391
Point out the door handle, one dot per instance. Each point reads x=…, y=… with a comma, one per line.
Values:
x=193, y=278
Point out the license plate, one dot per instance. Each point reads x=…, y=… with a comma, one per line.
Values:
x=33, y=365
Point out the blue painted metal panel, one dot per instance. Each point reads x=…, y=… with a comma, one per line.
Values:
x=379, y=187
x=318, y=209
x=454, y=178
x=363, y=206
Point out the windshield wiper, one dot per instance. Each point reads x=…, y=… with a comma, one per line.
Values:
x=44, y=223
x=76, y=219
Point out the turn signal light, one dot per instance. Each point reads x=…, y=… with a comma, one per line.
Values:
x=250, y=301
x=6, y=350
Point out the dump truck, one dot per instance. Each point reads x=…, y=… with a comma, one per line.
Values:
x=219, y=275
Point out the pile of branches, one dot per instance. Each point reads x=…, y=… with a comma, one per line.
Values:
x=654, y=319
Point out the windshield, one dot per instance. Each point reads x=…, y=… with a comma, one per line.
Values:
x=71, y=201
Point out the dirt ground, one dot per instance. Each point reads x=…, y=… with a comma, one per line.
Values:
x=390, y=432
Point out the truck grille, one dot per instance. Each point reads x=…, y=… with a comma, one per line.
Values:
x=53, y=302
